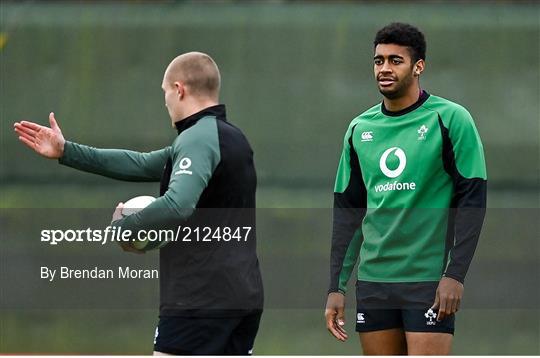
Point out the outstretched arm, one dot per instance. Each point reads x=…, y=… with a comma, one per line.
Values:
x=114, y=163
x=195, y=156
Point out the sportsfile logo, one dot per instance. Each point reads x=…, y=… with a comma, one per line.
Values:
x=394, y=173
x=185, y=163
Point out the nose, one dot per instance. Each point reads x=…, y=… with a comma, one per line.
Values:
x=385, y=68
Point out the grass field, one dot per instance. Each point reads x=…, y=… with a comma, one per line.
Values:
x=292, y=332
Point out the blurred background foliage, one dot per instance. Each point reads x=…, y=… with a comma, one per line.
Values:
x=294, y=74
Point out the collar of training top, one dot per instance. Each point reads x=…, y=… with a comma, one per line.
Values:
x=217, y=111
x=421, y=99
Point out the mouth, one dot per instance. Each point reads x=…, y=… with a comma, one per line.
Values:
x=386, y=81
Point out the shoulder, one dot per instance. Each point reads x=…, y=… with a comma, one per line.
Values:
x=198, y=139
x=227, y=130
x=367, y=115
x=204, y=130
x=451, y=113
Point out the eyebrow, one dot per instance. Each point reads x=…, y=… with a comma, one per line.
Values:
x=391, y=57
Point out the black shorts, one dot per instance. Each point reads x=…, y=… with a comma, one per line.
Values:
x=207, y=336
x=382, y=305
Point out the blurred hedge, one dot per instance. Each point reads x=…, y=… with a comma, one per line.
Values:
x=294, y=75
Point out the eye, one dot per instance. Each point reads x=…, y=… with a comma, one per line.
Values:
x=397, y=61
x=378, y=61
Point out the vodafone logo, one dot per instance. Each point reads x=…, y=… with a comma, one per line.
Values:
x=184, y=164
x=400, y=154
x=391, y=186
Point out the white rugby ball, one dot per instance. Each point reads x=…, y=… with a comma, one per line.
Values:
x=136, y=204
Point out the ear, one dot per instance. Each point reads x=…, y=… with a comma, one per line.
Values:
x=419, y=67
x=180, y=89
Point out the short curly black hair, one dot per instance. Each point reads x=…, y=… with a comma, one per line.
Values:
x=404, y=35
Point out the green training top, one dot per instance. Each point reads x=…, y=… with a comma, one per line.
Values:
x=398, y=175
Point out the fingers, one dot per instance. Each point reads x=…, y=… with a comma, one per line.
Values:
x=448, y=297
x=335, y=315
x=442, y=308
x=333, y=327
x=338, y=332
x=330, y=316
x=27, y=142
x=118, y=210
x=453, y=307
x=448, y=305
x=53, y=123
x=31, y=125
x=117, y=215
x=340, y=321
x=341, y=331
x=19, y=128
x=29, y=137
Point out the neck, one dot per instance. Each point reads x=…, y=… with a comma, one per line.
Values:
x=196, y=106
x=397, y=104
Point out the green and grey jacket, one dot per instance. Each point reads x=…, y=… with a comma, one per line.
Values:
x=208, y=183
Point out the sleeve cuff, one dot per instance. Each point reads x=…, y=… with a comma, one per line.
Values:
x=64, y=159
x=336, y=290
x=455, y=277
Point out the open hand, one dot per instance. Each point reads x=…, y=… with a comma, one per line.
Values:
x=48, y=142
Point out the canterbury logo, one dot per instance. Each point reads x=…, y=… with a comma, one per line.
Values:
x=400, y=154
x=367, y=136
